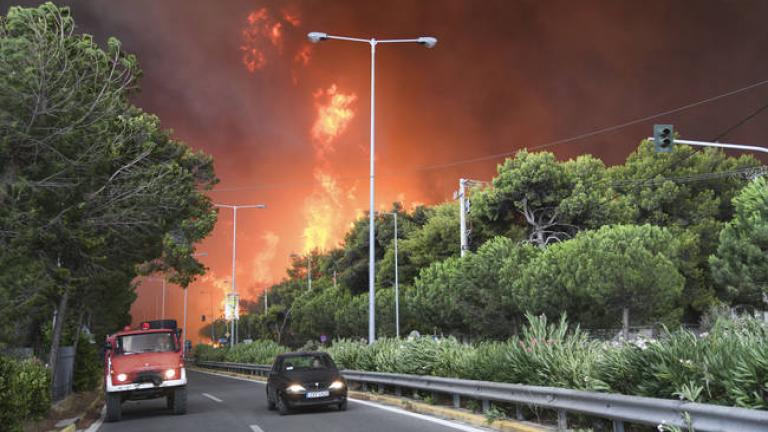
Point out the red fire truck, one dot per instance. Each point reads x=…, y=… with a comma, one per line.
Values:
x=145, y=363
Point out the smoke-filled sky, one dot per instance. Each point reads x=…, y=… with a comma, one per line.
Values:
x=288, y=121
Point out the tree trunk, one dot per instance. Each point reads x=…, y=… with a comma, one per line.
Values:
x=56, y=337
x=625, y=323
x=77, y=330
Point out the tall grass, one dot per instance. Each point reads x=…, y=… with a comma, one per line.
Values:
x=727, y=366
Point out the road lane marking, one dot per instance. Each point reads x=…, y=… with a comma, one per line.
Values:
x=213, y=398
x=256, y=428
x=448, y=423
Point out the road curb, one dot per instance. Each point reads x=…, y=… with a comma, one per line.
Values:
x=449, y=413
x=417, y=407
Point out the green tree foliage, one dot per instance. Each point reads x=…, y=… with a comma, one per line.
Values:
x=672, y=190
x=552, y=199
x=88, y=366
x=599, y=273
x=548, y=236
x=740, y=265
x=90, y=186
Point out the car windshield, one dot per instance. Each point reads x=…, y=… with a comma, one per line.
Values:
x=148, y=342
x=306, y=362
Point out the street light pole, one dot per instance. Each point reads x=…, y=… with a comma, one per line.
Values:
x=184, y=328
x=234, y=255
x=429, y=42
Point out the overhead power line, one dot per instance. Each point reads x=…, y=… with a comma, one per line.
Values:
x=539, y=146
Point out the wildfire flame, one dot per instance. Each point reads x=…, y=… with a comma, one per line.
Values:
x=334, y=113
x=325, y=209
x=262, y=32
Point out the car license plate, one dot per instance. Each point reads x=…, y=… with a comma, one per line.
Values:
x=318, y=394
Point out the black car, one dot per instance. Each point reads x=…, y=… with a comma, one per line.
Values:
x=304, y=379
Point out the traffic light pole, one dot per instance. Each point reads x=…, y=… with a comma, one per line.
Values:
x=719, y=145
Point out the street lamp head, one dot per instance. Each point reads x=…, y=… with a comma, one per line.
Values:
x=427, y=41
x=316, y=37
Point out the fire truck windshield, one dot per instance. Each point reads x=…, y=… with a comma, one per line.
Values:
x=143, y=343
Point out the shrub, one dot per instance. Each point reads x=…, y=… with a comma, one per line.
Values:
x=24, y=392
x=727, y=366
x=204, y=352
x=88, y=366
x=257, y=352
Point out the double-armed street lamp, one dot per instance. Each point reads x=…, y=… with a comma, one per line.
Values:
x=428, y=42
x=234, y=253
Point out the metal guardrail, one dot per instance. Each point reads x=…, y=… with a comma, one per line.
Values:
x=615, y=407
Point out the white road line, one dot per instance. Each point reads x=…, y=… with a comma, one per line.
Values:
x=439, y=421
x=448, y=423
x=213, y=398
x=255, y=428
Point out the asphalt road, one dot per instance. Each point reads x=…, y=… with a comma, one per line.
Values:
x=217, y=403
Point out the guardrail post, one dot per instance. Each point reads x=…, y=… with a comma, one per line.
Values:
x=562, y=420
x=618, y=426
x=486, y=405
x=456, y=401
x=398, y=391
x=519, y=413
x=364, y=386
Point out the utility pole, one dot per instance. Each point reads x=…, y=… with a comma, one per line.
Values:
x=464, y=205
x=463, y=215
x=397, y=286
x=309, y=271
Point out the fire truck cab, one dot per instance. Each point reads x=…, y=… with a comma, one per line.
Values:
x=145, y=363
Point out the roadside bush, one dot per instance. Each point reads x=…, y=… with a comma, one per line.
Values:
x=348, y=354
x=204, y=352
x=545, y=354
x=256, y=352
x=23, y=392
x=727, y=366
x=88, y=366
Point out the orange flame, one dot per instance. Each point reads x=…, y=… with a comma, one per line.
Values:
x=253, y=55
x=333, y=116
x=302, y=57
x=325, y=208
x=291, y=18
x=263, y=30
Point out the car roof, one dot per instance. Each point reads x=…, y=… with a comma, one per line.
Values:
x=302, y=354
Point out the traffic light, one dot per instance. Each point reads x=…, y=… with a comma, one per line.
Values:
x=663, y=137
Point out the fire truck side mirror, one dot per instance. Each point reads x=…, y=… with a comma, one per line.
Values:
x=107, y=346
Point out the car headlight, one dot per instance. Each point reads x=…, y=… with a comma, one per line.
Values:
x=296, y=388
x=336, y=385
x=170, y=373
x=122, y=377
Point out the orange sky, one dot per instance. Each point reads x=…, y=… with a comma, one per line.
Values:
x=287, y=121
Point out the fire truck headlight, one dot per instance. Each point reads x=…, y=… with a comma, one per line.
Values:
x=122, y=377
x=170, y=373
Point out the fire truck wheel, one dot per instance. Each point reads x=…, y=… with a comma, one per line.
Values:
x=114, y=410
x=180, y=400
